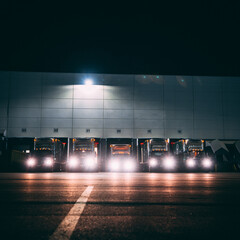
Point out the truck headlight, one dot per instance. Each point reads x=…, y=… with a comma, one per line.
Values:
x=48, y=162
x=31, y=162
x=153, y=162
x=207, y=163
x=129, y=166
x=90, y=163
x=191, y=163
x=73, y=162
x=169, y=163
x=114, y=165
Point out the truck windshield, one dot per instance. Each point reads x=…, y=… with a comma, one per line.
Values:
x=195, y=145
x=120, y=150
x=42, y=152
x=157, y=146
x=44, y=146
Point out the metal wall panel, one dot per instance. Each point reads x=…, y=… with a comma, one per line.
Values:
x=112, y=133
x=148, y=114
x=88, y=92
x=208, y=107
x=118, y=104
x=231, y=107
x=178, y=106
x=56, y=103
x=117, y=92
x=26, y=79
x=17, y=132
x=56, y=122
x=3, y=112
x=148, y=105
x=205, y=84
x=24, y=122
x=25, y=102
x=88, y=123
x=3, y=123
x=62, y=91
x=80, y=132
x=232, y=134
x=118, y=123
x=143, y=133
x=231, y=124
x=208, y=124
x=3, y=102
x=62, y=132
x=179, y=124
x=89, y=103
x=188, y=115
x=138, y=105
x=117, y=80
x=178, y=133
x=25, y=92
x=208, y=133
x=146, y=93
x=4, y=84
x=24, y=112
x=59, y=79
x=87, y=113
x=56, y=113
x=149, y=124
x=120, y=114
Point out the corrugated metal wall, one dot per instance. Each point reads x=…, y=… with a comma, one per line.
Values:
x=122, y=106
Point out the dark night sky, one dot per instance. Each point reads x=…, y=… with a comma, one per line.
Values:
x=197, y=39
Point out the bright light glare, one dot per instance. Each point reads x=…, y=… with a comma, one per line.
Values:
x=169, y=163
x=114, y=166
x=89, y=163
x=207, y=163
x=129, y=166
x=153, y=162
x=48, y=162
x=31, y=162
x=73, y=162
x=191, y=162
x=88, y=81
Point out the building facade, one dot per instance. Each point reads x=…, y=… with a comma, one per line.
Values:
x=35, y=104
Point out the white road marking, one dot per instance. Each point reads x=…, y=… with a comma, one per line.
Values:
x=67, y=226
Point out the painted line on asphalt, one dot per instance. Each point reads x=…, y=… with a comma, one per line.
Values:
x=66, y=227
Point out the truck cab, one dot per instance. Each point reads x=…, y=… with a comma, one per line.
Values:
x=46, y=155
x=83, y=155
x=191, y=154
x=158, y=156
x=121, y=158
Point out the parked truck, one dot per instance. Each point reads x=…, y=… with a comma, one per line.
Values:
x=47, y=155
x=84, y=155
x=122, y=158
x=191, y=155
x=156, y=153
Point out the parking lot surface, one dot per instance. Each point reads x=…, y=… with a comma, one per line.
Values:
x=120, y=205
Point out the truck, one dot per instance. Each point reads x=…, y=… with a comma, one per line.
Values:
x=156, y=154
x=84, y=155
x=46, y=156
x=121, y=158
x=191, y=155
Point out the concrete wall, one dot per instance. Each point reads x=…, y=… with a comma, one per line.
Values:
x=137, y=105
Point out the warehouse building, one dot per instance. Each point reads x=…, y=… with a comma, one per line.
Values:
x=35, y=104
x=108, y=106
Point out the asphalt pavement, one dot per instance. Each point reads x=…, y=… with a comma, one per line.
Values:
x=119, y=206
